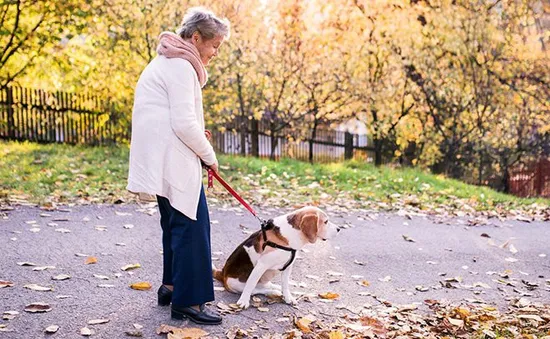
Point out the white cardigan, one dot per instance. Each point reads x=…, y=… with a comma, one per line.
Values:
x=168, y=140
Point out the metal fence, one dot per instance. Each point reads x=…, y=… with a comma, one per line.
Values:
x=265, y=139
x=50, y=117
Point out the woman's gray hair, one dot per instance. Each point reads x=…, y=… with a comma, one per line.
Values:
x=205, y=22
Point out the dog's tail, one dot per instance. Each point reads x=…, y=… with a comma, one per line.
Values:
x=217, y=274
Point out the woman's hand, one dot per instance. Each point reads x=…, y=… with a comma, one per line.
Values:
x=214, y=167
x=208, y=134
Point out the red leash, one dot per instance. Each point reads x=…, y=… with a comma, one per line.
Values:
x=214, y=174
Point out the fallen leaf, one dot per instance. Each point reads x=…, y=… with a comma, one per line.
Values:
x=489, y=333
x=505, y=244
x=385, y=279
x=462, y=312
x=102, y=277
x=25, y=263
x=62, y=230
x=141, y=286
x=130, y=267
x=187, y=333
x=4, y=283
x=43, y=268
x=9, y=315
x=98, y=321
x=136, y=333
x=335, y=274
x=36, y=287
x=480, y=284
x=456, y=322
x=128, y=226
x=329, y=295
x=91, y=260
x=164, y=329
x=336, y=335
x=531, y=317
x=513, y=249
x=64, y=296
x=38, y=307
x=51, y=329
x=86, y=332
x=61, y=277
x=407, y=238
x=374, y=323
x=303, y=324
x=263, y=309
x=511, y=259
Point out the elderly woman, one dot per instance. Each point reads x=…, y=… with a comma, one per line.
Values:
x=169, y=143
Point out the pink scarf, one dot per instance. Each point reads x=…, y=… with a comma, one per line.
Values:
x=172, y=45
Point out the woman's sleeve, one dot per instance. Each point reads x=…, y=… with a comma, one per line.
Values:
x=183, y=118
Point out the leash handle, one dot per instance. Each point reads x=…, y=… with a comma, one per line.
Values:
x=214, y=174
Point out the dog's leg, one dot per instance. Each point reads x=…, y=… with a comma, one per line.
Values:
x=285, y=277
x=251, y=282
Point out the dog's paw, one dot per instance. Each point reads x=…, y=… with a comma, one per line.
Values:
x=289, y=299
x=243, y=302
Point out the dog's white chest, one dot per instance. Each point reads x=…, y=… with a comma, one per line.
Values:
x=252, y=254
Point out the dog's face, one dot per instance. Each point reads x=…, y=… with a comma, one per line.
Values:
x=313, y=223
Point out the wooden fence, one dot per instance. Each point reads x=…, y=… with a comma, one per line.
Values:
x=40, y=116
x=531, y=180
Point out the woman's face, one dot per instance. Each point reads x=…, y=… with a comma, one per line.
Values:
x=207, y=48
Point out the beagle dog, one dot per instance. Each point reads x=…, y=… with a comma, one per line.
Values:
x=251, y=267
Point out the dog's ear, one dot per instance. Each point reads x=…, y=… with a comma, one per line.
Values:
x=308, y=225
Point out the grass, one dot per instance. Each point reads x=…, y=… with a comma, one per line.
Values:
x=47, y=174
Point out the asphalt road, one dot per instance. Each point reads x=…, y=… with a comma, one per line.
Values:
x=372, y=250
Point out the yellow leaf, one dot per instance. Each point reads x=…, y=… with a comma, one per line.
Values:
x=141, y=286
x=303, y=325
x=364, y=283
x=91, y=260
x=462, y=312
x=329, y=295
x=336, y=335
x=486, y=317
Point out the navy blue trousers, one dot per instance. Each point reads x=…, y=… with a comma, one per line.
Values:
x=187, y=257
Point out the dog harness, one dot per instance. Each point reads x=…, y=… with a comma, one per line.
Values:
x=267, y=225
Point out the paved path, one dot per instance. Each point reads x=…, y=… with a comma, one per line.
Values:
x=373, y=247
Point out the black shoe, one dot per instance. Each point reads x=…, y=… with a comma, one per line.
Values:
x=204, y=316
x=164, y=296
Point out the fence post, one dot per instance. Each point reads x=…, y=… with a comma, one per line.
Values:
x=538, y=178
x=254, y=132
x=11, y=122
x=348, y=146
